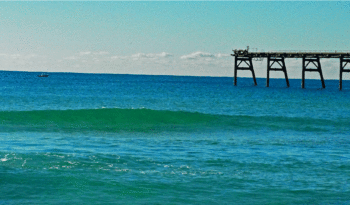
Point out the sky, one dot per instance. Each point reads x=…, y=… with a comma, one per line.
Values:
x=167, y=38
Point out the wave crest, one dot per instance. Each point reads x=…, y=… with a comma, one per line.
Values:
x=146, y=120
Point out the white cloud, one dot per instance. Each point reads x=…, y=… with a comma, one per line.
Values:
x=29, y=56
x=101, y=53
x=139, y=55
x=164, y=54
x=10, y=56
x=197, y=55
x=71, y=58
x=162, y=63
x=222, y=55
x=151, y=55
x=203, y=55
x=119, y=57
x=85, y=53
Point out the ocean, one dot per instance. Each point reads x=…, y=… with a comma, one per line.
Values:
x=142, y=139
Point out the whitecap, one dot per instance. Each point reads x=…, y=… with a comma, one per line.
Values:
x=25, y=161
x=4, y=159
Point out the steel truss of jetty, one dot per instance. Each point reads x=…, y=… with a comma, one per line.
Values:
x=243, y=61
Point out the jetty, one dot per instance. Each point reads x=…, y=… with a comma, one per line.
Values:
x=310, y=59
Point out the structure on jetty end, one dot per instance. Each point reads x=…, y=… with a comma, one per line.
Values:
x=243, y=61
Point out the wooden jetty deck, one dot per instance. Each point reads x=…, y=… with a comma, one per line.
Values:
x=243, y=61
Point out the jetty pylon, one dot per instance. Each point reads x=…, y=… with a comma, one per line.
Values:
x=316, y=62
x=248, y=65
x=343, y=62
x=279, y=61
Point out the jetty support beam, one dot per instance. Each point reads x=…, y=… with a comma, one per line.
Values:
x=277, y=61
x=343, y=62
x=316, y=62
x=244, y=63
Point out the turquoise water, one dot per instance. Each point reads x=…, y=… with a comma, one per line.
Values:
x=126, y=139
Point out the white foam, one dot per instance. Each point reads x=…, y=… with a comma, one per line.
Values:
x=4, y=159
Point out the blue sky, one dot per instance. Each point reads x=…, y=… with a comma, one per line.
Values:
x=171, y=38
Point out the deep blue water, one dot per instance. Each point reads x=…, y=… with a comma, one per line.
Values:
x=134, y=139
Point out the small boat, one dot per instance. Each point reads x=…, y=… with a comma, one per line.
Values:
x=43, y=75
